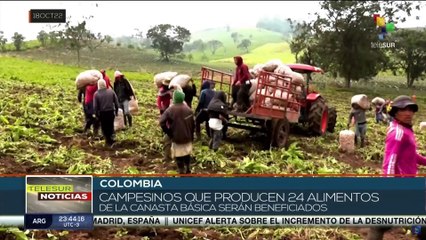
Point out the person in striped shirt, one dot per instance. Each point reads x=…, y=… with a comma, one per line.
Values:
x=401, y=156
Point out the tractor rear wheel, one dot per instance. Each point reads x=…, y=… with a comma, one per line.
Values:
x=332, y=119
x=318, y=117
x=281, y=131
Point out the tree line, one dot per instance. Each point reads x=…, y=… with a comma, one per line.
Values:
x=344, y=41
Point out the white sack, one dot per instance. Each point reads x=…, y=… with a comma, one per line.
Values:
x=165, y=76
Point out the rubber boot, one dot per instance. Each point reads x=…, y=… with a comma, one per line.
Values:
x=362, y=142
x=198, y=135
x=181, y=165
x=188, y=165
x=356, y=141
x=129, y=118
x=125, y=120
x=95, y=132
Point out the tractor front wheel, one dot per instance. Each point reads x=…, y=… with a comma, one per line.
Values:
x=318, y=117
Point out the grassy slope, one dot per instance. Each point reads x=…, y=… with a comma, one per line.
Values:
x=259, y=38
x=263, y=54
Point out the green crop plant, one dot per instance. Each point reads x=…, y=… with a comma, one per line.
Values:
x=41, y=123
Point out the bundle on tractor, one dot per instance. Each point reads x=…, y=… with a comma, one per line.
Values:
x=279, y=100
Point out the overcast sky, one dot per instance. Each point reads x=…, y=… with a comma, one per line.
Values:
x=118, y=18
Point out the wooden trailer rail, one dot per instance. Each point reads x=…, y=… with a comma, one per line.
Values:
x=222, y=80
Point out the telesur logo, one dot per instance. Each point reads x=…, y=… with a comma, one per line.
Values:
x=384, y=29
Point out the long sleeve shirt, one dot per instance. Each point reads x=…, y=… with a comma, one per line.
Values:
x=401, y=156
x=105, y=100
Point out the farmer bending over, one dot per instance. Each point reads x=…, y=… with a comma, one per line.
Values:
x=178, y=123
x=360, y=123
x=207, y=94
x=106, y=107
x=217, y=114
x=401, y=156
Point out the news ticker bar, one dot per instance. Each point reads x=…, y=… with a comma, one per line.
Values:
x=238, y=221
x=237, y=196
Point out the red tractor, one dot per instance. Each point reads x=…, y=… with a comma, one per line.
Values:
x=278, y=102
x=315, y=113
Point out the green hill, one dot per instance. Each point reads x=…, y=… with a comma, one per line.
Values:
x=258, y=38
x=263, y=54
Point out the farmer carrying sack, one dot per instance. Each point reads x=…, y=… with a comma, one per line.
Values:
x=164, y=77
x=89, y=77
x=360, y=100
x=181, y=80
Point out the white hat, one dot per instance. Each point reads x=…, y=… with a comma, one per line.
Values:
x=101, y=84
x=117, y=74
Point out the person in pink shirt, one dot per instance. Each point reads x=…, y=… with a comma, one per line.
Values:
x=401, y=156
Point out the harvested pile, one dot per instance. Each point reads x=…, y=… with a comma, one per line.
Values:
x=281, y=76
x=347, y=141
x=89, y=77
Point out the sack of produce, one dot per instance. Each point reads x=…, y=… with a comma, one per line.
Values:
x=119, y=120
x=378, y=101
x=89, y=77
x=252, y=73
x=181, y=80
x=133, y=106
x=281, y=98
x=272, y=65
x=282, y=69
x=360, y=100
x=163, y=78
x=347, y=141
x=296, y=77
x=262, y=94
x=253, y=86
x=422, y=126
x=299, y=90
x=258, y=68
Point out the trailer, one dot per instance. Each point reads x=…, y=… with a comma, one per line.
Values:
x=279, y=101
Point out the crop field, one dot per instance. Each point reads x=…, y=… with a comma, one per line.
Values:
x=41, y=125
